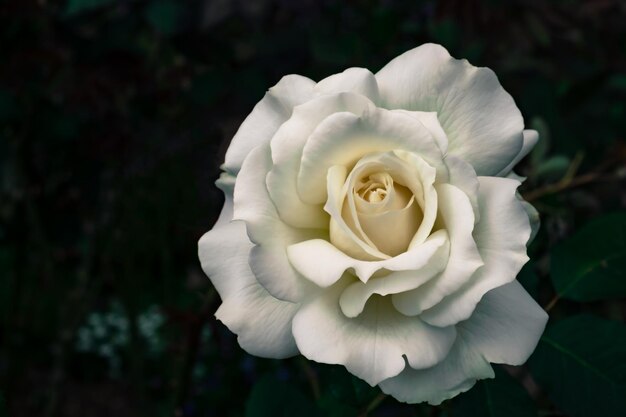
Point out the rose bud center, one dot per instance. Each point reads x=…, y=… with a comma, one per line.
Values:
x=385, y=213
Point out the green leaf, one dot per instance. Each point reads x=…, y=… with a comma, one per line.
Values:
x=272, y=397
x=334, y=407
x=363, y=391
x=618, y=82
x=553, y=168
x=499, y=397
x=343, y=394
x=540, y=150
x=591, y=265
x=581, y=363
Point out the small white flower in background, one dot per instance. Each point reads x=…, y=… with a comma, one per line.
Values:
x=372, y=221
x=107, y=334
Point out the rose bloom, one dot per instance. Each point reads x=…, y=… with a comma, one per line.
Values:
x=373, y=221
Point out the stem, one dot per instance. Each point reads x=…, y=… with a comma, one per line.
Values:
x=312, y=377
x=569, y=180
x=552, y=302
x=573, y=167
x=564, y=184
x=373, y=404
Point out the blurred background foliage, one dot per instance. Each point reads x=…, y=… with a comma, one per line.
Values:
x=114, y=118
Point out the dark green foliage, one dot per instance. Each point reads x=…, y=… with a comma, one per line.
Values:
x=3, y=406
x=341, y=393
x=164, y=16
x=75, y=7
x=529, y=279
x=499, y=397
x=271, y=397
x=581, y=364
x=591, y=265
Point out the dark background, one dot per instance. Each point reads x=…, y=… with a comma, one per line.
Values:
x=114, y=119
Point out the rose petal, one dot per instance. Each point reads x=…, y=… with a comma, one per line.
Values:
x=392, y=231
x=506, y=325
x=427, y=175
x=457, y=217
x=344, y=138
x=501, y=237
x=408, y=169
x=268, y=259
x=266, y=117
x=463, y=176
x=397, y=196
x=355, y=80
x=434, y=259
x=261, y=322
x=371, y=346
x=533, y=217
x=482, y=123
x=226, y=183
x=505, y=328
x=431, y=122
x=457, y=373
x=341, y=234
x=322, y=263
x=398, y=215
x=531, y=137
x=287, y=146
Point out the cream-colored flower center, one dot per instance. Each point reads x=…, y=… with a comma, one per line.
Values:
x=382, y=212
x=374, y=188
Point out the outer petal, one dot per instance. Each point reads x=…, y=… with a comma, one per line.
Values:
x=483, y=125
x=458, y=218
x=287, y=146
x=463, y=176
x=355, y=80
x=266, y=118
x=533, y=214
x=322, y=263
x=457, y=373
x=261, y=322
x=226, y=183
x=501, y=236
x=533, y=217
x=268, y=259
x=506, y=325
x=431, y=122
x=505, y=328
x=531, y=137
x=372, y=345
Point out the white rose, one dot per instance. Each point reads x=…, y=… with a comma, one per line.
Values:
x=369, y=222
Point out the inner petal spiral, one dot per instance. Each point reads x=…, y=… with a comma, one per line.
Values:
x=382, y=212
x=374, y=188
x=383, y=207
